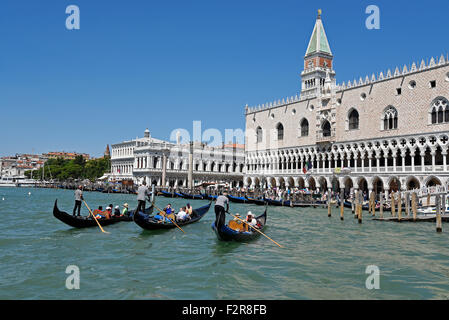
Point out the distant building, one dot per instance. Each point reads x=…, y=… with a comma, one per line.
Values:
x=107, y=152
x=143, y=158
x=65, y=155
x=16, y=166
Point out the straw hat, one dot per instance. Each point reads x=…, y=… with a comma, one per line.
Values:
x=125, y=205
x=237, y=214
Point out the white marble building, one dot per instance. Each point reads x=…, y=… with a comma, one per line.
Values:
x=384, y=132
x=143, y=158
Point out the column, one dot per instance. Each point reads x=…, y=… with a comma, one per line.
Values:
x=412, y=155
x=433, y=153
x=444, y=153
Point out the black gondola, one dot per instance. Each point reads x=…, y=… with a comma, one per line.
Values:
x=259, y=202
x=192, y=196
x=85, y=222
x=210, y=197
x=278, y=203
x=227, y=234
x=148, y=222
x=170, y=194
x=237, y=199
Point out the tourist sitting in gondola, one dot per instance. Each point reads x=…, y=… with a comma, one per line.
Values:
x=237, y=224
x=98, y=213
x=125, y=211
x=189, y=209
x=117, y=212
x=182, y=215
x=166, y=214
x=251, y=220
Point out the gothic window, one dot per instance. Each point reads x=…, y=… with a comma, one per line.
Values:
x=439, y=111
x=280, y=131
x=259, y=134
x=353, y=119
x=304, y=128
x=326, y=127
x=390, y=118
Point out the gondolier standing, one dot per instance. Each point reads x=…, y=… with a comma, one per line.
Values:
x=142, y=194
x=221, y=207
x=78, y=199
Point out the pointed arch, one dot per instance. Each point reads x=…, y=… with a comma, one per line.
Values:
x=304, y=127
x=280, y=131
x=353, y=119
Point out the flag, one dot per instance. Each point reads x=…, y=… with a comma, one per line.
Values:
x=307, y=167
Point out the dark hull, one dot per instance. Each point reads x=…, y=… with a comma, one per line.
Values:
x=278, y=203
x=84, y=222
x=227, y=234
x=171, y=195
x=147, y=222
x=237, y=199
x=192, y=196
x=258, y=202
x=210, y=197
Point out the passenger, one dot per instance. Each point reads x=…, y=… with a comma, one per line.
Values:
x=98, y=213
x=125, y=211
x=182, y=214
x=108, y=212
x=117, y=211
x=251, y=220
x=189, y=209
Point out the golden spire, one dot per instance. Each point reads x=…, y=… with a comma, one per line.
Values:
x=319, y=13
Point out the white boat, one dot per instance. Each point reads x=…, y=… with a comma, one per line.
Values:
x=7, y=182
x=431, y=210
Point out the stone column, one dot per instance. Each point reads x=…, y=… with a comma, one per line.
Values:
x=444, y=153
x=164, y=168
x=412, y=155
x=433, y=153
x=190, y=173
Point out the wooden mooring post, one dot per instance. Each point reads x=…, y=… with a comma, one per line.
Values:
x=372, y=201
x=439, y=207
x=399, y=206
x=342, y=204
x=329, y=207
x=393, y=207
x=407, y=204
x=356, y=204
x=414, y=205
x=360, y=202
x=381, y=208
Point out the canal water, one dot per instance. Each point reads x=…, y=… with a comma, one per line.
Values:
x=323, y=258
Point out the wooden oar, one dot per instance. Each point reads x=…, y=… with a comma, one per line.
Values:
x=160, y=211
x=95, y=218
x=256, y=230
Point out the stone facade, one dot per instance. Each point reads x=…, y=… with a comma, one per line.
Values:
x=143, y=158
x=382, y=132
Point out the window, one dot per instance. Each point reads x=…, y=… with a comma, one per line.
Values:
x=259, y=134
x=280, y=130
x=326, y=127
x=398, y=91
x=353, y=120
x=433, y=84
x=412, y=84
x=304, y=128
x=439, y=111
x=390, y=118
x=363, y=96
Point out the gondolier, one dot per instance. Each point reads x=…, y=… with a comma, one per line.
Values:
x=78, y=199
x=142, y=194
x=221, y=207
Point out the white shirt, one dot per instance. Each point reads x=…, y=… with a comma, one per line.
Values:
x=253, y=222
x=181, y=215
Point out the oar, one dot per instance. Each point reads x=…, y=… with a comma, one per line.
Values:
x=256, y=230
x=169, y=218
x=95, y=218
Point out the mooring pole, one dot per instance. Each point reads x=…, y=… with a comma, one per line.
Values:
x=329, y=208
x=381, y=208
x=407, y=204
x=399, y=206
x=360, y=206
x=414, y=205
x=152, y=193
x=438, y=212
x=356, y=204
x=393, y=208
x=342, y=204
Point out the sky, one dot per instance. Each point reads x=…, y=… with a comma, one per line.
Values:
x=161, y=65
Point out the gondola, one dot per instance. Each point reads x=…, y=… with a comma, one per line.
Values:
x=237, y=199
x=210, y=197
x=171, y=194
x=259, y=202
x=148, y=222
x=192, y=196
x=85, y=222
x=227, y=234
x=278, y=203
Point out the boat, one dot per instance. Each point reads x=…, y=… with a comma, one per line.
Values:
x=278, y=203
x=210, y=197
x=170, y=194
x=237, y=199
x=7, y=182
x=192, y=196
x=365, y=207
x=85, y=222
x=259, y=201
x=148, y=222
x=227, y=234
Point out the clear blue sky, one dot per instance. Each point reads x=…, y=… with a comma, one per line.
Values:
x=163, y=64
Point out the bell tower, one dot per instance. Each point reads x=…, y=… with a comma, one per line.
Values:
x=318, y=62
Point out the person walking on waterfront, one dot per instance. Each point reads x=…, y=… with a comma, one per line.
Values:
x=142, y=194
x=78, y=199
x=221, y=207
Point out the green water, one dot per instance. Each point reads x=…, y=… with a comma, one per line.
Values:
x=323, y=258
